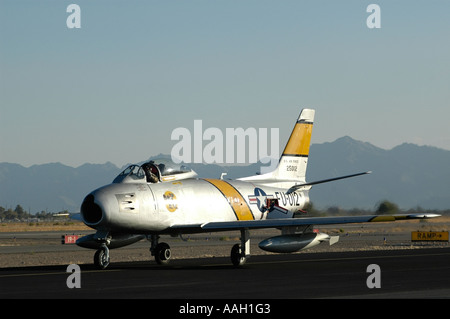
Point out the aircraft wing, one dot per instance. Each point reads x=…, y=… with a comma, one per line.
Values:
x=292, y=222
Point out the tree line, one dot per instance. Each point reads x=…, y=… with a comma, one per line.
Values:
x=20, y=214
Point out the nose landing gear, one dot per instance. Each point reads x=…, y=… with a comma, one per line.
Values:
x=101, y=257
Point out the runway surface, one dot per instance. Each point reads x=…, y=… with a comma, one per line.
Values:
x=415, y=273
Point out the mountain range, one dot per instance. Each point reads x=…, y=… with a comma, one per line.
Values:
x=408, y=175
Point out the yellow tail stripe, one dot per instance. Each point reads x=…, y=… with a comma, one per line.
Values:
x=300, y=140
x=234, y=198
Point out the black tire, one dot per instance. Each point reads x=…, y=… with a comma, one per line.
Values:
x=236, y=256
x=162, y=253
x=100, y=259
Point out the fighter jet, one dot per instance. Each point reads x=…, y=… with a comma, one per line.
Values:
x=163, y=198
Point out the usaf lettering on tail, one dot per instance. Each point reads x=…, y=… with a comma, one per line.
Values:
x=161, y=198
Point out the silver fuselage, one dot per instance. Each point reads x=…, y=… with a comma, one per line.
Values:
x=146, y=208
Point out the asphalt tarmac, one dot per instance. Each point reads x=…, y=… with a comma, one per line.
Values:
x=416, y=273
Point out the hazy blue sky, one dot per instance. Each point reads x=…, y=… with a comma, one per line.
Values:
x=115, y=89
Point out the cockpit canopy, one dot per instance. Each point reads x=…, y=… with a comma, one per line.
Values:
x=155, y=171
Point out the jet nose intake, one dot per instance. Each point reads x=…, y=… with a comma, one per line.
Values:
x=91, y=212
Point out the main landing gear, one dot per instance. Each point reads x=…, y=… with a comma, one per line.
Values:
x=161, y=251
x=240, y=253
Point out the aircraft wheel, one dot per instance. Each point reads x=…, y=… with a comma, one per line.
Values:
x=101, y=259
x=236, y=256
x=162, y=253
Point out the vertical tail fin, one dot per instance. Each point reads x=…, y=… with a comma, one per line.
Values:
x=294, y=160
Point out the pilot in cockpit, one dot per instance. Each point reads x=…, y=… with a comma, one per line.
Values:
x=151, y=172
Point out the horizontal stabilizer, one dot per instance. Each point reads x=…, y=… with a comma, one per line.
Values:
x=295, y=187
